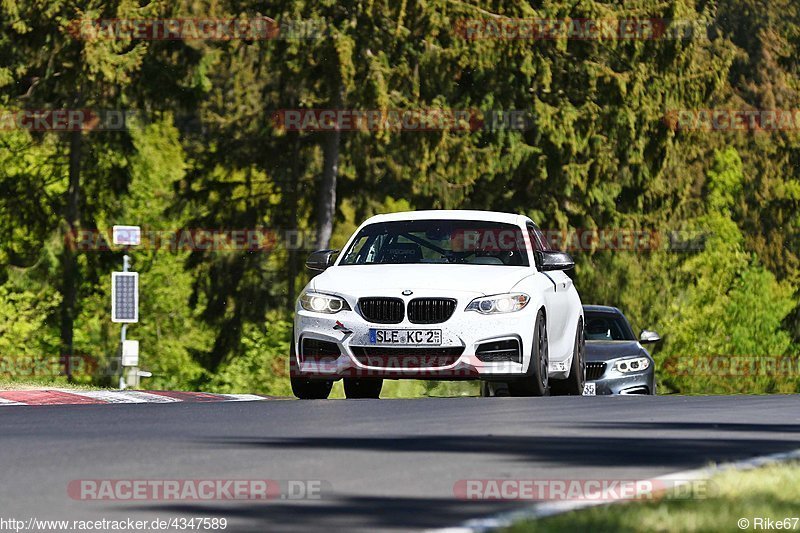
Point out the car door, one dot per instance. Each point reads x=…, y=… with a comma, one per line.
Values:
x=558, y=303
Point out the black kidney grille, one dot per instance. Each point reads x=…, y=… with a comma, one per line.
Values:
x=594, y=370
x=430, y=310
x=382, y=310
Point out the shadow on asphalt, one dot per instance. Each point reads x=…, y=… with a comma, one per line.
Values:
x=705, y=426
x=569, y=451
x=363, y=513
x=707, y=443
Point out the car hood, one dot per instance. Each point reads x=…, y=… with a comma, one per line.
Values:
x=382, y=280
x=606, y=350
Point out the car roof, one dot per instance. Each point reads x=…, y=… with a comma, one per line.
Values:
x=455, y=214
x=602, y=309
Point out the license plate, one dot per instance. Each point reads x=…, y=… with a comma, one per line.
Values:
x=430, y=337
x=589, y=388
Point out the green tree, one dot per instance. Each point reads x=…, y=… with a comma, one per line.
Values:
x=730, y=305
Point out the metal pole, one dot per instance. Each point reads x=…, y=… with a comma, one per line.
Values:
x=121, y=368
x=126, y=263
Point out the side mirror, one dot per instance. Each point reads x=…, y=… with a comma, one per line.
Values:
x=547, y=260
x=648, y=336
x=320, y=260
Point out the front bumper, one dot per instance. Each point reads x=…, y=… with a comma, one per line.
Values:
x=615, y=382
x=455, y=359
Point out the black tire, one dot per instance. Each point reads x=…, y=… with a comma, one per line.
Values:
x=362, y=388
x=536, y=380
x=573, y=385
x=311, y=389
x=307, y=388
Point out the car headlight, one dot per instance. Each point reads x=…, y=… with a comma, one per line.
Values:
x=322, y=303
x=636, y=364
x=501, y=303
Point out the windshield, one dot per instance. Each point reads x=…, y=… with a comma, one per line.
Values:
x=438, y=241
x=607, y=327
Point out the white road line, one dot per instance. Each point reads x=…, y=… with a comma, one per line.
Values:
x=676, y=480
x=134, y=396
x=152, y=398
x=122, y=396
x=243, y=397
x=3, y=401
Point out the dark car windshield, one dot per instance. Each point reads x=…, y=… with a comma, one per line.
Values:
x=607, y=327
x=438, y=241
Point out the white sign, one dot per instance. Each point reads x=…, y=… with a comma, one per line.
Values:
x=130, y=353
x=127, y=235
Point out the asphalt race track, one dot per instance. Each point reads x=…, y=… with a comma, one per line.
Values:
x=386, y=464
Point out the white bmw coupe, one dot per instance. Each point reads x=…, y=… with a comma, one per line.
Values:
x=440, y=295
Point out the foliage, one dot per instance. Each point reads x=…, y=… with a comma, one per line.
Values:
x=262, y=366
x=730, y=305
x=204, y=153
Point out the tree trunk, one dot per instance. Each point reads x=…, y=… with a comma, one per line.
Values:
x=294, y=182
x=69, y=289
x=326, y=197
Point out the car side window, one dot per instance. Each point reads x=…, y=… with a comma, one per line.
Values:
x=537, y=238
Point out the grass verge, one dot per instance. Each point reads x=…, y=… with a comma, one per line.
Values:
x=771, y=492
x=39, y=384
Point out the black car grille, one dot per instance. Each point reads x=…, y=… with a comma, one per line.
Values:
x=595, y=370
x=499, y=351
x=401, y=357
x=382, y=310
x=430, y=310
x=319, y=351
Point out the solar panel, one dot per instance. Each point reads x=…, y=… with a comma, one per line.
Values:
x=125, y=297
